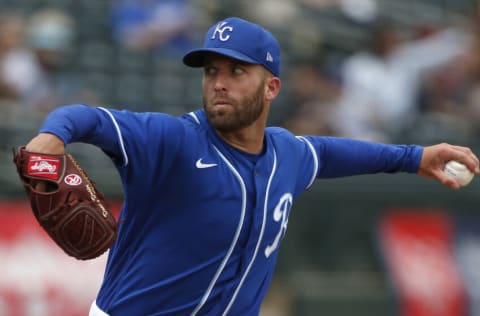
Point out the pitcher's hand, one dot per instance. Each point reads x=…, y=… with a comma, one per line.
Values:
x=435, y=157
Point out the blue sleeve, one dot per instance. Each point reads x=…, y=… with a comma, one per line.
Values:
x=341, y=157
x=140, y=138
x=83, y=123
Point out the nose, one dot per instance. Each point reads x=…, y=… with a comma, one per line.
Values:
x=220, y=81
x=219, y=85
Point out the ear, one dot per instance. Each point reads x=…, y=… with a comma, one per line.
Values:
x=272, y=87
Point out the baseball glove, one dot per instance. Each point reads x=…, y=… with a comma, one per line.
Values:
x=66, y=203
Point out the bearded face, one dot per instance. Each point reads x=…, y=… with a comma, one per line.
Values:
x=227, y=114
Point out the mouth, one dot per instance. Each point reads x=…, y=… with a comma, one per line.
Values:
x=221, y=102
x=221, y=105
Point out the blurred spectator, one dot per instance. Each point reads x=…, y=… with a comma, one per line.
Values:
x=14, y=57
x=450, y=97
x=275, y=13
x=361, y=11
x=164, y=26
x=47, y=80
x=381, y=84
x=312, y=94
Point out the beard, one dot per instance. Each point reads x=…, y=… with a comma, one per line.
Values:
x=242, y=113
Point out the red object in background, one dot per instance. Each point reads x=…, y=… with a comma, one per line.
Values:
x=16, y=218
x=36, y=277
x=417, y=246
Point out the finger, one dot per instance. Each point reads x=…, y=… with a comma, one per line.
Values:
x=448, y=181
x=467, y=157
x=471, y=162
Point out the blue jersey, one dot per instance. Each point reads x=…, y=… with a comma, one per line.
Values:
x=202, y=222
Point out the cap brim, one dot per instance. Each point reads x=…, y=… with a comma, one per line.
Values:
x=196, y=57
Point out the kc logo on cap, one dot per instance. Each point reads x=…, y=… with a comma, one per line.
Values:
x=238, y=39
x=220, y=29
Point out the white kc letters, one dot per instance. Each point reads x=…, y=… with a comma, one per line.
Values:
x=219, y=29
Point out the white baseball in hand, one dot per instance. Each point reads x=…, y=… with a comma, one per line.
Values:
x=459, y=172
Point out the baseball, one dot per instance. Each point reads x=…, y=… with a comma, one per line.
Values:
x=459, y=172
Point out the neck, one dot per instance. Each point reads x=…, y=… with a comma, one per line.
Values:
x=249, y=140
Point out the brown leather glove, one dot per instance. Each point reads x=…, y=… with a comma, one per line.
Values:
x=66, y=203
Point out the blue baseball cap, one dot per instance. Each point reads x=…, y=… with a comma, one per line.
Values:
x=241, y=40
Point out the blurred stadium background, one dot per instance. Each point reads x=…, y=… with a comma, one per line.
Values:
x=369, y=245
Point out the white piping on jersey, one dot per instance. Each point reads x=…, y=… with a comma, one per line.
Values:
x=119, y=133
x=235, y=238
x=192, y=114
x=315, y=160
x=260, y=237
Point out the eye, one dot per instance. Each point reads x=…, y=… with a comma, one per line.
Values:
x=238, y=71
x=209, y=70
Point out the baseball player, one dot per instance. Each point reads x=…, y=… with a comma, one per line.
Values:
x=208, y=194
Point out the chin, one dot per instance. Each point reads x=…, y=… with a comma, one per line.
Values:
x=222, y=123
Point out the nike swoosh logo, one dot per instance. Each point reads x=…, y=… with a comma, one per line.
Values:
x=200, y=165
